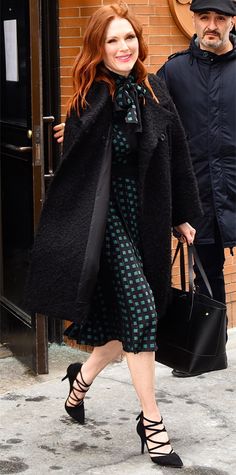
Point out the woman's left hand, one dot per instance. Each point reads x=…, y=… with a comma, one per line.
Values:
x=187, y=233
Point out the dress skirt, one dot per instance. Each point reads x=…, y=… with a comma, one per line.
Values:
x=123, y=306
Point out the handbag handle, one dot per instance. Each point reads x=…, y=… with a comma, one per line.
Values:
x=192, y=253
x=192, y=257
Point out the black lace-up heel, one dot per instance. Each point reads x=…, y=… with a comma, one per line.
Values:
x=76, y=411
x=171, y=459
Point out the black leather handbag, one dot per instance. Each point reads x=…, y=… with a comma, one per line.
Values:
x=191, y=336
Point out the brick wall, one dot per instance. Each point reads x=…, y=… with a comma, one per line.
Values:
x=163, y=38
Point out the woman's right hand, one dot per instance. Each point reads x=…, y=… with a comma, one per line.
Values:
x=59, y=132
x=186, y=233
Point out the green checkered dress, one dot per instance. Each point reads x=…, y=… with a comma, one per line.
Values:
x=123, y=307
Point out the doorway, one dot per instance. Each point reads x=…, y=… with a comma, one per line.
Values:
x=29, y=105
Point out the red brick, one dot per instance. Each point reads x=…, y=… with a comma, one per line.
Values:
x=162, y=20
x=88, y=11
x=144, y=10
x=69, y=12
x=78, y=3
x=65, y=32
x=162, y=11
x=74, y=42
x=72, y=22
x=233, y=315
x=230, y=269
x=67, y=61
x=66, y=71
x=160, y=49
x=71, y=52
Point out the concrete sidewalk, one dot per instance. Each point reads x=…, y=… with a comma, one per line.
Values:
x=38, y=437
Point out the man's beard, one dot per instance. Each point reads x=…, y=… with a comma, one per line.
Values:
x=214, y=44
x=210, y=44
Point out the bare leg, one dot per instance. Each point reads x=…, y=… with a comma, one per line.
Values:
x=100, y=357
x=142, y=369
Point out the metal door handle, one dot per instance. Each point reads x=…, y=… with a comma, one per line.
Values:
x=49, y=120
x=16, y=148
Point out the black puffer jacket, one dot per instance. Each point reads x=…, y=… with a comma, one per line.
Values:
x=203, y=87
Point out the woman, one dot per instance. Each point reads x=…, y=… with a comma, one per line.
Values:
x=103, y=249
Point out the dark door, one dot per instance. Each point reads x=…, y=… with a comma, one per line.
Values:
x=24, y=157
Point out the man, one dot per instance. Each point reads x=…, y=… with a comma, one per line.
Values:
x=202, y=83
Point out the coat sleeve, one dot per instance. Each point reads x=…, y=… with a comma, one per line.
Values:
x=161, y=73
x=186, y=203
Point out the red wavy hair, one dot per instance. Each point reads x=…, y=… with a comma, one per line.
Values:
x=89, y=67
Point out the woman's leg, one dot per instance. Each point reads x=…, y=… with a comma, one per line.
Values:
x=142, y=369
x=100, y=357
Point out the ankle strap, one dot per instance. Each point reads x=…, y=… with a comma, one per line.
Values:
x=141, y=417
x=82, y=382
x=82, y=388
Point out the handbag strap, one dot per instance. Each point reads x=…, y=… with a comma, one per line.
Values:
x=192, y=258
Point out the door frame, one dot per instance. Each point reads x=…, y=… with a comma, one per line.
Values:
x=39, y=322
x=28, y=336
x=43, y=103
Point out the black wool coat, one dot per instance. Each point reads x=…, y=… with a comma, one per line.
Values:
x=66, y=253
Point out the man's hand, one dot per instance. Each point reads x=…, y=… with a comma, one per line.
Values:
x=59, y=132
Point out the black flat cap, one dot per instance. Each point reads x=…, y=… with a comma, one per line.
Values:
x=227, y=7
